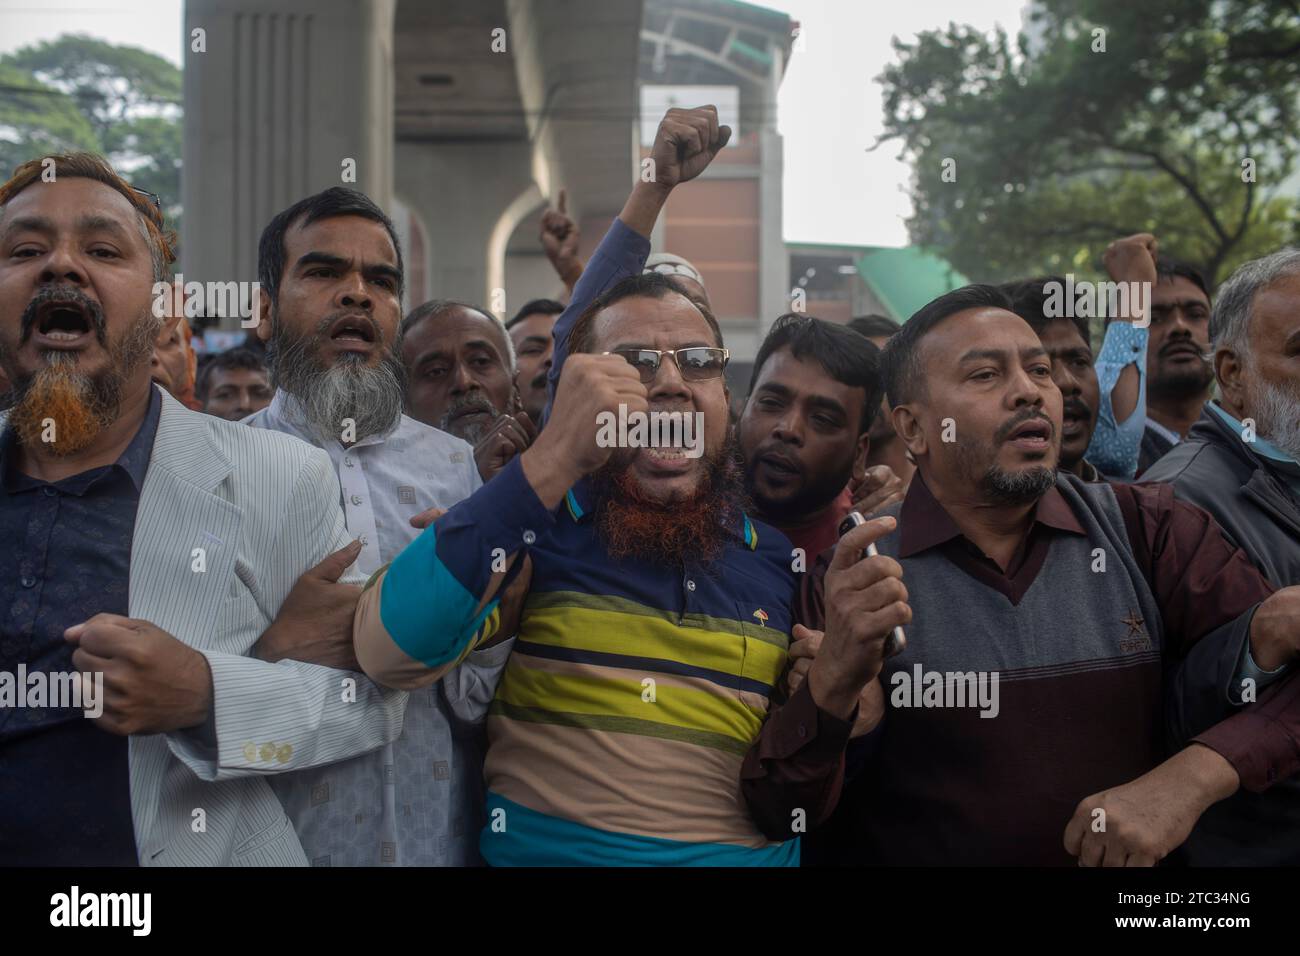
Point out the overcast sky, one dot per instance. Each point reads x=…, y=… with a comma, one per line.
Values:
x=830, y=108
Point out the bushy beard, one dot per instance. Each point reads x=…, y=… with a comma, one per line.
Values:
x=330, y=395
x=682, y=531
x=62, y=407
x=1277, y=414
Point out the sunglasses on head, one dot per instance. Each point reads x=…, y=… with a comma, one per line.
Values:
x=695, y=364
x=152, y=197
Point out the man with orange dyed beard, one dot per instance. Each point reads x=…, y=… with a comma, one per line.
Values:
x=113, y=499
x=635, y=722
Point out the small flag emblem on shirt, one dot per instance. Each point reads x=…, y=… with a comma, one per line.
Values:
x=762, y=617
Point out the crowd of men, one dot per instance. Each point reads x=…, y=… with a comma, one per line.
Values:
x=371, y=589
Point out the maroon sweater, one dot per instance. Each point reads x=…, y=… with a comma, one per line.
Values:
x=946, y=786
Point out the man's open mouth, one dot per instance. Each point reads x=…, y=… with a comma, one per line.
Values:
x=65, y=321
x=669, y=453
x=1035, y=433
x=1074, y=421
x=779, y=465
x=353, y=329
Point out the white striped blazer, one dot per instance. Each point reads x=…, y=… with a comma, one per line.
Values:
x=229, y=518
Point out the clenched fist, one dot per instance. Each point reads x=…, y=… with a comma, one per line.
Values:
x=1141, y=822
x=879, y=488
x=152, y=682
x=566, y=449
x=685, y=143
x=508, y=436
x=1132, y=259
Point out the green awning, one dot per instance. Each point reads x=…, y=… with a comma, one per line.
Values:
x=906, y=279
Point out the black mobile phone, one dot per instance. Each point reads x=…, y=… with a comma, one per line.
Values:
x=897, y=640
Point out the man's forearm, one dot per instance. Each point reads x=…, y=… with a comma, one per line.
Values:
x=621, y=253
x=1212, y=776
x=644, y=203
x=570, y=271
x=438, y=599
x=794, y=772
x=277, y=718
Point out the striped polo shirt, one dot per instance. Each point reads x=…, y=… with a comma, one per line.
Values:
x=633, y=691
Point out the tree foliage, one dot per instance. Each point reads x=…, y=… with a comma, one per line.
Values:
x=1103, y=118
x=79, y=93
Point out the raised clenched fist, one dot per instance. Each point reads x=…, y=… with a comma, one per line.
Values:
x=1132, y=259
x=685, y=143
x=567, y=448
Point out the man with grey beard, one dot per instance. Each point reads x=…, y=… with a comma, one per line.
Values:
x=461, y=364
x=1241, y=463
x=330, y=269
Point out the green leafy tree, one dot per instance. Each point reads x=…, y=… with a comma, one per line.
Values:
x=1105, y=118
x=36, y=120
x=120, y=101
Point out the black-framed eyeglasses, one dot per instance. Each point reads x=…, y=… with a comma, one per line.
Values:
x=152, y=197
x=698, y=363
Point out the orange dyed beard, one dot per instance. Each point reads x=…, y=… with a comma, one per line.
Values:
x=64, y=409
x=689, y=531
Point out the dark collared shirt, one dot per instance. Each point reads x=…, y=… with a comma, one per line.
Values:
x=64, y=793
x=924, y=524
x=1199, y=579
x=1197, y=583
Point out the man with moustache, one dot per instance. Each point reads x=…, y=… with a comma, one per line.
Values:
x=1151, y=371
x=530, y=334
x=461, y=364
x=151, y=545
x=1067, y=341
x=651, y=631
x=1241, y=463
x=654, y=624
x=804, y=430
x=1178, y=371
x=330, y=270
x=1003, y=557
